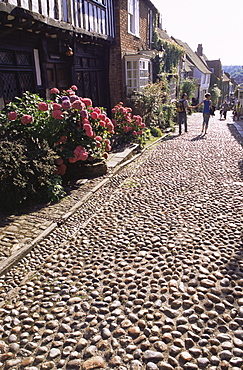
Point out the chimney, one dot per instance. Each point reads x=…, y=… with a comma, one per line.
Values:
x=200, y=50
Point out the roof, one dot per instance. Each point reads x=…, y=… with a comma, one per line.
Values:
x=225, y=78
x=164, y=35
x=193, y=57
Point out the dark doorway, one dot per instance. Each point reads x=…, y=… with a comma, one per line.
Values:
x=57, y=76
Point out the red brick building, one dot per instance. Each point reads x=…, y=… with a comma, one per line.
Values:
x=130, y=57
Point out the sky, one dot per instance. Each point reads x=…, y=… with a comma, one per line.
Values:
x=216, y=24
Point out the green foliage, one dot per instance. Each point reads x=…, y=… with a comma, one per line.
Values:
x=26, y=173
x=188, y=86
x=156, y=131
x=172, y=54
x=152, y=103
x=215, y=94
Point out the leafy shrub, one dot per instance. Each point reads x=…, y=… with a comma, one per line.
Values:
x=152, y=103
x=26, y=173
x=72, y=127
x=156, y=131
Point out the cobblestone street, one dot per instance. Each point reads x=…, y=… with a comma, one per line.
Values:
x=146, y=275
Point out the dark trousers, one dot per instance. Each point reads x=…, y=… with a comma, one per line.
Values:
x=182, y=118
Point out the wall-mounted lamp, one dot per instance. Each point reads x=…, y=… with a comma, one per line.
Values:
x=69, y=51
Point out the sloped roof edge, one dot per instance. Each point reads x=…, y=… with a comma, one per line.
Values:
x=194, y=58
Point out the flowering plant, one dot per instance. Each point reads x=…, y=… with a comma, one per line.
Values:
x=75, y=129
x=130, y=128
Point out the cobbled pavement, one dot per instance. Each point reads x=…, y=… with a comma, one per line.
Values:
x=147, y=274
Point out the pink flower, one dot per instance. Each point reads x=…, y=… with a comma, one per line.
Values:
x=57, y=114
x=94, y=115
x=127, y=128
x=110, y=126
x=102, y=124
x=142, y=125
x=66, y=104
x=140, y=132
x=134, y=133
x=107, y=141
x=102, y=117
x=26, y=118
x=73, y=98
x=70, y=92
x=43, y=106
x=12, y=116
x=98, y=144
x=74, y=87
x=56, y=106
x=83, y=156
x=123, y=110
x=86, y=126
x=89, y=133
x=108, y=147
x=54, y=91
x=87, y=102
x=97, y=110
x=78, y=149
x=77, y=104
x=98, y=138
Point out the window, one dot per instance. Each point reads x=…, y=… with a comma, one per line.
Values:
x=138, y=72
x=133, y=17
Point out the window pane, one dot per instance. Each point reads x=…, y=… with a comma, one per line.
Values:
x=129, y=74
x=135, y=65
x=135, y=74
x=129, y=65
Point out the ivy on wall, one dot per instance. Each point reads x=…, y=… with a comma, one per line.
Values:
x=171, y=57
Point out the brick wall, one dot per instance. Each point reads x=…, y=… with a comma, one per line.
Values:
x=125, y=44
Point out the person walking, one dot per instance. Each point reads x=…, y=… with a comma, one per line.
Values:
x=182, y=106
x=207, y=105
x=225, y=108
x=238, y=109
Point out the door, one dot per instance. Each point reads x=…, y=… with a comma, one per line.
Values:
x=57, y=76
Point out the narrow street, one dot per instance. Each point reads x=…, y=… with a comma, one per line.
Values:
x=147, y=275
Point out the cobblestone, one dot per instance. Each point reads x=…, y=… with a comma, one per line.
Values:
x=147, y=274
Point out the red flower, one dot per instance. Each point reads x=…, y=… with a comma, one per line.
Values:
x=105, y=155
x=74, y=87
x=26, y=118
x=87, y=102
x=59, y=161
x=43, y=106
x=94, y=115
x=54, y=91
x=98, y=138
x=57, y=114
x=56, y=106
x=12, y=116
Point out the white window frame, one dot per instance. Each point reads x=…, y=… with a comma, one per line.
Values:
x=138, y=72
x=133, y=17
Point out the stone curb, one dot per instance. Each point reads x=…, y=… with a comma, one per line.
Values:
x=22, y=252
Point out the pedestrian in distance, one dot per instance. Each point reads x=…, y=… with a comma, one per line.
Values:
x=207, y=106
x=225, y=108
x=237, y=110
x=182, y=107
